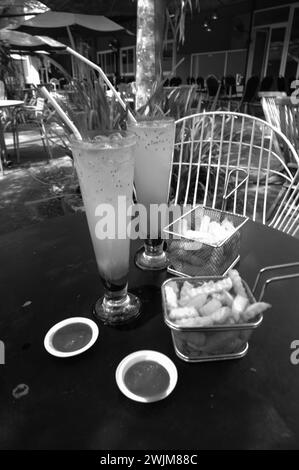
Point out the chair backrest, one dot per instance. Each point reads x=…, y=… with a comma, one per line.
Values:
x=251, y=89
x=214, y=150
x=230, y=85
x=286, y=218
x=270, y=106
x=40, y=103
x=200, y=82
x=212, y=85
x=289, y=119
x=2, y=91
x=281, y=113
x=55, y=83
x=267, y=83
x=281, y=84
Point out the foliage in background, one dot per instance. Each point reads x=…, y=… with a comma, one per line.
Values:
x=179, y=8
x=86, y=104
x=152, y=21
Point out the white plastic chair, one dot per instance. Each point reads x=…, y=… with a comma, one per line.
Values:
x=210, y=145
x=270, y=106
x=281, y=113
x=55, y=83
x=2, y=91
x=286, y=218
x=36, y=117
x=289, y=120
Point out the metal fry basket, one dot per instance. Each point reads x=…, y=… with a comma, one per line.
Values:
x=219, y=342
x=190, y=257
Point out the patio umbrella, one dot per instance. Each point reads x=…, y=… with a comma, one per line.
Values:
x=26, y=42
x=56, y=19
x=14, y=12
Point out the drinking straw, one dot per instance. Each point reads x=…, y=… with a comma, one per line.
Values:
x=54, y=43
x=61, y=113
x=105, y=78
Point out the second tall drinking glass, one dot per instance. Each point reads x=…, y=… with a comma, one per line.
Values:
x=154, y=149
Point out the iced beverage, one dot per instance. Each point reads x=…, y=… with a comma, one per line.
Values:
x=154, y=148
x=153, y=158
x=105, y=167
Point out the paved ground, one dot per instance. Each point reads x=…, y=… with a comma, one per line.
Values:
x=36, y=189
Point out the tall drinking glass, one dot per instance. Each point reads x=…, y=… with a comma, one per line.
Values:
x=105, y=167
x=154, y=149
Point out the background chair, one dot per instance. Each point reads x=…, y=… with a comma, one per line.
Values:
x=55, y=84
x=282, y=114
x=2, y=90
x=200, y=83
x=230, y=85
x=247, y=101
x=286, y=218
x=281, y=84
x=212, y=85
x=210, y=145
x=213, y=93
x=270, y=106
x=289, y=122
x=267, y=83
x=250, y=93
x=34, y=116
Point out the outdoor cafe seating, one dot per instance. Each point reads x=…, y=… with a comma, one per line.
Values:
x=149, y=238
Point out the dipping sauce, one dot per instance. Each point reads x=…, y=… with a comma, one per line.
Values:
x=72, y=337
x=147, y=379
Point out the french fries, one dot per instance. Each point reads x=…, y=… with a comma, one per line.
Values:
x=226, y=295
x=207, y=231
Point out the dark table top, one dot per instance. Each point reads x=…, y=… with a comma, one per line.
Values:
x=75, y=403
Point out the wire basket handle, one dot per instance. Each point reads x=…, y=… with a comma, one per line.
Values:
x=273, y=279
x=226, y=196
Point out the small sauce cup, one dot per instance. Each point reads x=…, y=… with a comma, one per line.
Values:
x=71, y=337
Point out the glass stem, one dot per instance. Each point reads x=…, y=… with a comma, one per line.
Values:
x=113, y=298
x=153, y=247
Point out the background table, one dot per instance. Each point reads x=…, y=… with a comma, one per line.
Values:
x=75, y=403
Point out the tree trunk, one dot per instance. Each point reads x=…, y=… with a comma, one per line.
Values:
x=149, y=47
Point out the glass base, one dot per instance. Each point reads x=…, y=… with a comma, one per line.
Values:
x=117, y=312
x=153, y=262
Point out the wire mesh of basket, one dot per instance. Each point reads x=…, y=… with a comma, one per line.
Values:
x=192, y=255
x=221, y=341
